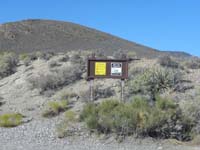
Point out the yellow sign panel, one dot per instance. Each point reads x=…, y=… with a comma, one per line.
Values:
x=100, y=68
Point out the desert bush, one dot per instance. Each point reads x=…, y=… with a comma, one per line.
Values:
x=164, y=103
x=167, y=61
x=100, y=54
x=154, y=81
x=55, y=107
x=76, y=58
x=164, y=120
x=118, y=54
x=57, y=78
x=64, y=58
x=27, y=61
x=38, y=55
x=43, y=55
x=192, y=109
x=193, y=63
x=70, y=116
x=65, y=127
x=10, y=120
x=53, y=63
x=131, y=54
x=25, y=58
x=8, y=64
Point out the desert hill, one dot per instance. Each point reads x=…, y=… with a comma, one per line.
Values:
x=46, y=35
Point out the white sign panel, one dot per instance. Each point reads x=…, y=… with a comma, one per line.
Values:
x=116, y=69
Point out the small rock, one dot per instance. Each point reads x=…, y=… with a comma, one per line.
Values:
x=160, y=148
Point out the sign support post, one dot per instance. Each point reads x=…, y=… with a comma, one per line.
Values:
x=122, y=90
x=91, y=90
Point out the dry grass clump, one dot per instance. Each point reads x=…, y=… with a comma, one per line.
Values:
x=67, y=95
x=10, y=120
x=54, y=108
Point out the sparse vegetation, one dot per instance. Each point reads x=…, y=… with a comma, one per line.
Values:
x=154, y=81
x=65, y=127
x=99, y=93
x=167, y=61
x=192, y=110
x=64, y=58
x=76, y=58
x=164, y=120
x=193, y=63
x=67, y=95
x=55, y=107
x=53, y=64
x=8, y=64
x=56, y=78
x=10, y=120
x=35, y=55
x=43, y=55
x=103, y=92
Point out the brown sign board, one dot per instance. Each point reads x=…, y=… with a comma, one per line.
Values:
x=107, y=68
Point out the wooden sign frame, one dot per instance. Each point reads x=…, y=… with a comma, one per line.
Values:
x=104, y=68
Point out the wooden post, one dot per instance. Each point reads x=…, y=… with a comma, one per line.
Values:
x=122, y=90
x=91, y=90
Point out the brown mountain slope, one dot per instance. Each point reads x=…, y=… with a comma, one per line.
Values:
x=46, y=35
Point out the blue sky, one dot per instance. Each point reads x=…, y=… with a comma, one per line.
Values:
x=161, y=24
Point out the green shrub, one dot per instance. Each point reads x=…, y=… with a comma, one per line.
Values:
x=164, y=103
x=155, y=81
x=10, y=120
x=89, y=115
x=54, y=108
x=65, y=127
x=70, y=116
x=164, y=120
x=192, y=109
x=25, y=58
x=8, y=64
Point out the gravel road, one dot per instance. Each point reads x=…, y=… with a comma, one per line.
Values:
x=40, y=135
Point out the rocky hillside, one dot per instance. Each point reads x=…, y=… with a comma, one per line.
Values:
x=57, y=36
x=45, y=98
